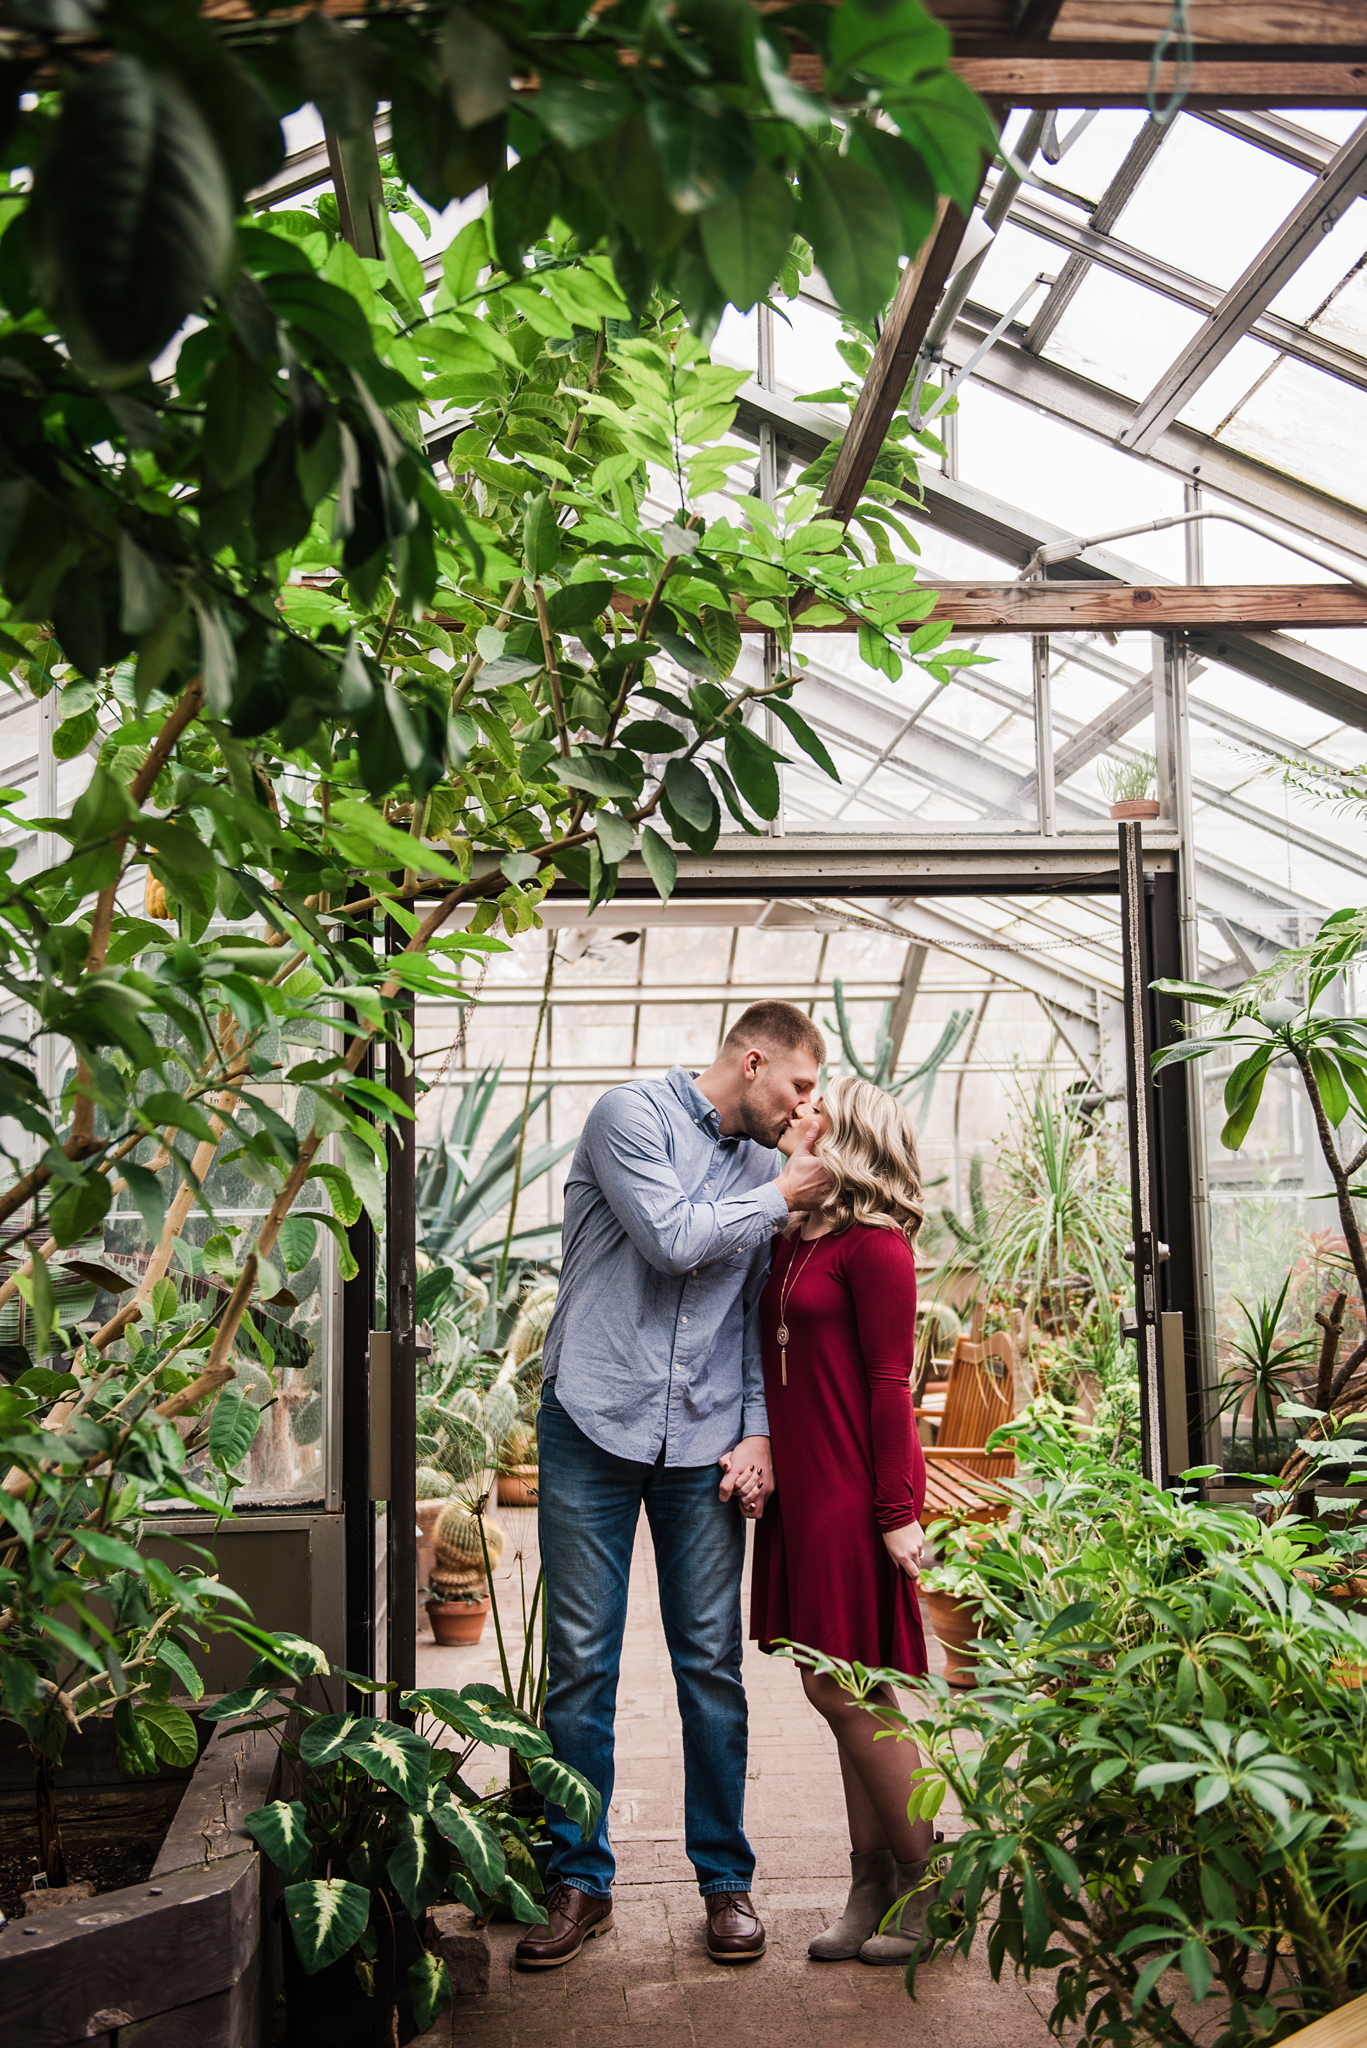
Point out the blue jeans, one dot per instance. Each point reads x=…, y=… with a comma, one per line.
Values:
x=590, y=1503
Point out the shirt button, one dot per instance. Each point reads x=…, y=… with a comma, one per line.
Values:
x=683, y=1319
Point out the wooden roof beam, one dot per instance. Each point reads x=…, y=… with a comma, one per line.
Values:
x=1093, y=607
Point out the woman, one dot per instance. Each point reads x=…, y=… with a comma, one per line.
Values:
x=838, y=1550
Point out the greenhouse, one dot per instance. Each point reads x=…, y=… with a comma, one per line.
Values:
x=682, y=829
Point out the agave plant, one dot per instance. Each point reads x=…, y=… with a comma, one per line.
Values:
x=455, y=1197
x=884, y=1053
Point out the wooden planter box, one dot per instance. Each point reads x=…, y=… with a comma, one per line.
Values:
x=178, y=1962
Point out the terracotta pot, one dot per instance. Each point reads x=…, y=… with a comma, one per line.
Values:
x=457, y=1621
x=1348, y=1672
x=955, y=1623
x=1136, y=807
x=517, y=1488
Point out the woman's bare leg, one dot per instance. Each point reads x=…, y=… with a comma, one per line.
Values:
x=876, y=1774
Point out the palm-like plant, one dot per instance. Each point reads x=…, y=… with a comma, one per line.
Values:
x=1265, y=1368
x=1058, y=1243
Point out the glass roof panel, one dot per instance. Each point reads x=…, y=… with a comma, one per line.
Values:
x=1308, y=424
x=1120, y=333
x=1330, y=263
x=1209, y=202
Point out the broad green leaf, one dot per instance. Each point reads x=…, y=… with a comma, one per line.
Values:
x=1150, y=1975
x=132, y=216
x=1197, y=1968
x=745, y=238
x=541, y=536
x=689, y=792
x=248, y=1699
x=175, y=1659
x=852, y=226
x=326, y=1916
x=615, y=836
x=429, y=1987
x=297, y=1241
x=752, y=764
x=289, y=1657
x=705, y=150
x=281, y=1829
x=417, y=1867
x=810, y=742
x=661, y=861
x=170, y=1730
x=394, y=1756
x=232, y=1427
x=523, y=1905
x=566, y=1787
x=326, y=1739
x=473, y=1840
x=892, y=42
x=579, y=111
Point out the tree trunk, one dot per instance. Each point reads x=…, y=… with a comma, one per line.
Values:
x=51, y=1856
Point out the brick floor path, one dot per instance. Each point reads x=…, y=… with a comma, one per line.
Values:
x=649, y=1983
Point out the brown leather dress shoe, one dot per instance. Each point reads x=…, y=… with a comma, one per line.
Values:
x=574, y=1917
x=735, y=1932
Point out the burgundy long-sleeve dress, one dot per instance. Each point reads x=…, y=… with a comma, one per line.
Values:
x=847, y=1458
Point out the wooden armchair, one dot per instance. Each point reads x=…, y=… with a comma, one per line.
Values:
x=979, y=1398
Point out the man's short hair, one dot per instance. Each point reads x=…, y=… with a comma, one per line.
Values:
x=781, y=1025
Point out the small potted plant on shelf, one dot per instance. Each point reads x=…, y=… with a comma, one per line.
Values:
x=467, y=1548
x=1129, y=786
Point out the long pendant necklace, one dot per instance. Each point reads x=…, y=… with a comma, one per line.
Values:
x=782, y=1331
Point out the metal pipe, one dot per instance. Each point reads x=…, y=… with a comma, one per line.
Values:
x=1055, y=551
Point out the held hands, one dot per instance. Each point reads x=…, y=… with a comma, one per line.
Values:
x=748, y=1472
x=906, y=1547
x=804, y=1182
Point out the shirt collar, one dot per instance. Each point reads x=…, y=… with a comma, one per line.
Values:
x=700, y=1111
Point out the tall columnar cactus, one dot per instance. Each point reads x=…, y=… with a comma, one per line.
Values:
x=884, y=1055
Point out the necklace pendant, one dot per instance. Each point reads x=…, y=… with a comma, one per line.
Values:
x=783, y=1362
x=782, y=1334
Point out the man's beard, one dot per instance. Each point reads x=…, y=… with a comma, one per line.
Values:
x=765, y=1127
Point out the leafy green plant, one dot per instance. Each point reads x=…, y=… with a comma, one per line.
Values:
x=1060, y=1231
x=1258, y=1027
x=314, y=682
x=384, y=1822
x=91, y=1625
x=1163, y=1767
x=1267, y=1363
x=455, y=1198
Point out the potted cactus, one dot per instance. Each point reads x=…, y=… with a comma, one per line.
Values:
x=517, y=1478
x=457, y=1595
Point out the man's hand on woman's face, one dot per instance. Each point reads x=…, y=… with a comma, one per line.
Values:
x=906, y=1547
x=804, y=1182
x=748, y=1472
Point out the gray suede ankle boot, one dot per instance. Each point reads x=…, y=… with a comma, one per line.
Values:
x=905, y=1929
x=872, y=1891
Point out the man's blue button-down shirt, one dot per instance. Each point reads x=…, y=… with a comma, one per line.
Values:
x=668, y=1227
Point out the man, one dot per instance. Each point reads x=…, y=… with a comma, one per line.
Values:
x=652, y=1380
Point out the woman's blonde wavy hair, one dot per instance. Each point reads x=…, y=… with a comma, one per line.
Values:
x=870, y=1154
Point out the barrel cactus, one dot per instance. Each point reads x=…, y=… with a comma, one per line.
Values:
x=460, y=1573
